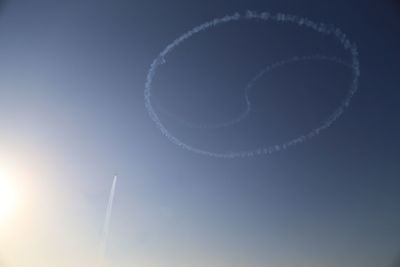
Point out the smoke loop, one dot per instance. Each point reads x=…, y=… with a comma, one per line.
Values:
x=265, y=16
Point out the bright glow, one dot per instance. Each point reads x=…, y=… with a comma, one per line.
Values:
x=8, y=198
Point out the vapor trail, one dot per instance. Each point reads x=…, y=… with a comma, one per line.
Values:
x=246, y=111
x=106, y=226
x=321, y=28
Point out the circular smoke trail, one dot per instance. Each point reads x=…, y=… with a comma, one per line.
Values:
x=321, y=28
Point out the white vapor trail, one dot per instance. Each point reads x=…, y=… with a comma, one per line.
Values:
x=106, y=226
x=246, y=112
x=321, y=28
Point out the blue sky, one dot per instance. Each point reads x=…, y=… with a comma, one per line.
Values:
x=73, y=115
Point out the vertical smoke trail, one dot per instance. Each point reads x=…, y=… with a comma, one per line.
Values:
x=106, y=226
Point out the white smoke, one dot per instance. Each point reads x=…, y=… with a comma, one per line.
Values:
x=246, y=112
x=251, y=15
x=107, y=220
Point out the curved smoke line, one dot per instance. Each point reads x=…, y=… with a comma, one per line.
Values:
x=247, y=110
x=251, y=15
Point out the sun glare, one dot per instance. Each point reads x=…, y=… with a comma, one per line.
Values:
x=8, y=198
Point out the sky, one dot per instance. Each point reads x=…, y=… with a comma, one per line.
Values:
x=73, y=115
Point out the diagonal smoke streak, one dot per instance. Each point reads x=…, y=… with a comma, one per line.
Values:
x=106, y=226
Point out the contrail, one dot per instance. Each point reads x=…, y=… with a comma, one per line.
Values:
x=106, y=226
x=325, y=29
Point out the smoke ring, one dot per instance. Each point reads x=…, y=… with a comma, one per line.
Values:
x=251, y=15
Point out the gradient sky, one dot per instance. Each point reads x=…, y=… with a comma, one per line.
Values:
x=72, y=115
